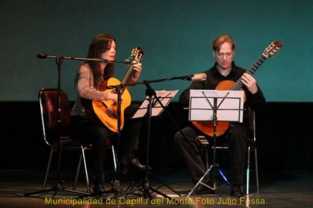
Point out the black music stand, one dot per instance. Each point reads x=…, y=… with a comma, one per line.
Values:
x=214, y=105
x=153, y=105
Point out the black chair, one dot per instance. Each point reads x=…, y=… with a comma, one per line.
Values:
x=58, y=132
x=207, y=147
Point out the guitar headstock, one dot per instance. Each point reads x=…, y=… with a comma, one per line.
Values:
x=136, y=54
x=272, y=49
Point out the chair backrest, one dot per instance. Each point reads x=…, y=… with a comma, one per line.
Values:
x=55, y=114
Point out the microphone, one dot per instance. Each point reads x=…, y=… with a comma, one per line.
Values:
x=198, y=77
x=192, y=77
x=42, y=55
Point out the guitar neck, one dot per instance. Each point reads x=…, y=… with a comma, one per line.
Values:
x=126, y=78
x=127, y=75
x=136, y=55
x=238, y=85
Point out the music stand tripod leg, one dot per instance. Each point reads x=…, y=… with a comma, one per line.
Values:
x=220, y=172
x=167, y=186
x=200, y=181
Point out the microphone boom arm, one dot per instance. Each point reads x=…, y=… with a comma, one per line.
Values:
x=71, y=58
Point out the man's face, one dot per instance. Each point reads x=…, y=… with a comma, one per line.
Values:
x=224, y=57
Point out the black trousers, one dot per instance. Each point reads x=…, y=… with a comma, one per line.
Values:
x=236, y=139
x=92, y=131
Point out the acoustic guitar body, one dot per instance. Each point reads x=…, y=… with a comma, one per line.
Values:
x=107, y=111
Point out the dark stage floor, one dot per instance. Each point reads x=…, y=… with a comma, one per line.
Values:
x=289, y=189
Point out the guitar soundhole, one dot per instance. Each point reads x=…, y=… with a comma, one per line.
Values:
x=111, y=113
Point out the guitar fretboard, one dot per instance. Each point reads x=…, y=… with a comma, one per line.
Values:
x=238, y=85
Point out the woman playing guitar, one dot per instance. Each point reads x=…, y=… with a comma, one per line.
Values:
x=92, y=83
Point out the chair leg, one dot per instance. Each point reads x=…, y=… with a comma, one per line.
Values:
x=85, y=168
x=48, y=167
x=77, y=171
x=248, y=172
x=115, y=162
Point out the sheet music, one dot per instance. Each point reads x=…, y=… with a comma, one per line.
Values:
x=165, y=96
x=231, y=109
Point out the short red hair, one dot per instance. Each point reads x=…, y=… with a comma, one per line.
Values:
x=216, y=45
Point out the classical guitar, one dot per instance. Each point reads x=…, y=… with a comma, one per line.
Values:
x=107, y=111
x=206, y=127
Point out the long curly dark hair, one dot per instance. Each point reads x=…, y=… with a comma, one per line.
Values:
x=101, y=43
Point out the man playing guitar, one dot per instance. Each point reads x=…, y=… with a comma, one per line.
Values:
x=223, y=70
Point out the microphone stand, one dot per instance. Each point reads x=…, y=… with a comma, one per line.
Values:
x=59, y=186
x=119, y=90
x=72, y=58
x=147, y=188
x=151, y=94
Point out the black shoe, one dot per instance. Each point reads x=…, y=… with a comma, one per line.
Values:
x=98, y=189
x=137, y=164
x=116, y=186
x=236, y=191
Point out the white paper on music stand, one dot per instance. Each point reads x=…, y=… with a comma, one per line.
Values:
x=165, y=96
x=231, y=109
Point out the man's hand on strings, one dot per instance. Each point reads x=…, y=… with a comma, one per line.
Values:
x=250, y=82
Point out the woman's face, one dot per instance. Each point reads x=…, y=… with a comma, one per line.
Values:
x=110, y=54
